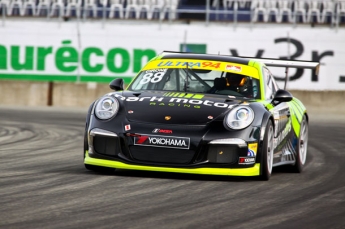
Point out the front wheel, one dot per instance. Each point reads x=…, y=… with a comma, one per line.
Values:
x=267, y=152
x=302, y=147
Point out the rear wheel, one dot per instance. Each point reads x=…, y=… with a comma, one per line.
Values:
x=267, y=152
x=302, y=147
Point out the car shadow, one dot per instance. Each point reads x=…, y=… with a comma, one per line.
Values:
x=172, y=176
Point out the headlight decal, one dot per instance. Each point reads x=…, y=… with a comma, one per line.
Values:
x=106, y=107
x=239, y=117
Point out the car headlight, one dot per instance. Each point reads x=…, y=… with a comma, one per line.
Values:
x=239, y=118
x=106, y=108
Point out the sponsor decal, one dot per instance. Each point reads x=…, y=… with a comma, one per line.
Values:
x=195, y=102
x=233, y=68
x=160, y=141
x=250, y=153
x=189, y=64
x=162, y=131
x=127, y=127
x=156, y=70
x=246, y=160
x=252, y=148
x=184, y=95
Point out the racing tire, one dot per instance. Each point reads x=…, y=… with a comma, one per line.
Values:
x=302, y=147
x=267, y=153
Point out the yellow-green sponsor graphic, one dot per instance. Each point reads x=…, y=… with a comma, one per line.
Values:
x=184, y=95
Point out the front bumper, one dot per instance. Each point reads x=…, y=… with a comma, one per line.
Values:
x=214, y=157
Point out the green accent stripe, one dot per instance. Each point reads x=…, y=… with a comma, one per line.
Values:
x=253, y=171
x=63, y=78
x=198, y=96
x=298, y=108
x=295, y=125
x=297, y=112
x=266, y=103
x=184, y=95
x=189, y=96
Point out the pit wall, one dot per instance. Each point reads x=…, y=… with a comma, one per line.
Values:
x=81, y=95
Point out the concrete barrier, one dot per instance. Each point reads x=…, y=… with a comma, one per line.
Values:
x=80, y=95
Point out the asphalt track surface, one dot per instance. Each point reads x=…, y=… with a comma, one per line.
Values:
x=43, y=183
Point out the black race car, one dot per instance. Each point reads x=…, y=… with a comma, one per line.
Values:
x=200, y=114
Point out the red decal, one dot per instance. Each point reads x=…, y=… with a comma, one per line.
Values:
x=233, y=68
x=142, y=139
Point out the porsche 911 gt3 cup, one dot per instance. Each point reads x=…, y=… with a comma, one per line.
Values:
x=199, y=114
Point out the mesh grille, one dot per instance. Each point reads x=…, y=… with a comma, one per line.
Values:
x=161, y=155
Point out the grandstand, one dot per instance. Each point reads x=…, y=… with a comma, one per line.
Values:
x=331, y=12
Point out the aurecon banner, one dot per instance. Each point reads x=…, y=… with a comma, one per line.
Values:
x=87, y=51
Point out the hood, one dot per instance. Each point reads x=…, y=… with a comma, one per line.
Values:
x=174, y=107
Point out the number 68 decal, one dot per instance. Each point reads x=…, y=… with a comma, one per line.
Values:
x=155, y=79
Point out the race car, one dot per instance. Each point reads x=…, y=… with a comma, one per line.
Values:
x=199, y=114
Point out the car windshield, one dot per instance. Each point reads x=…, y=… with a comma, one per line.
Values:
x=197, y=81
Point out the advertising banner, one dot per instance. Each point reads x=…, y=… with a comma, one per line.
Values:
x=87, y=51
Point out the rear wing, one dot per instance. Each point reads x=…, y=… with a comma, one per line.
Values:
x=289, y=63
x=315, y=66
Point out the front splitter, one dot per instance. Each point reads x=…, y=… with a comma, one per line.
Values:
x=253, y=171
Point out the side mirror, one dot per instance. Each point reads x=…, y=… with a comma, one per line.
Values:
x=116, y=84
x=282, y=96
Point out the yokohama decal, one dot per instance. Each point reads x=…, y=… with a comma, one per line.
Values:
x=162, y=141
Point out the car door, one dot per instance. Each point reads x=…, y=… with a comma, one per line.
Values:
x=283, y=150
